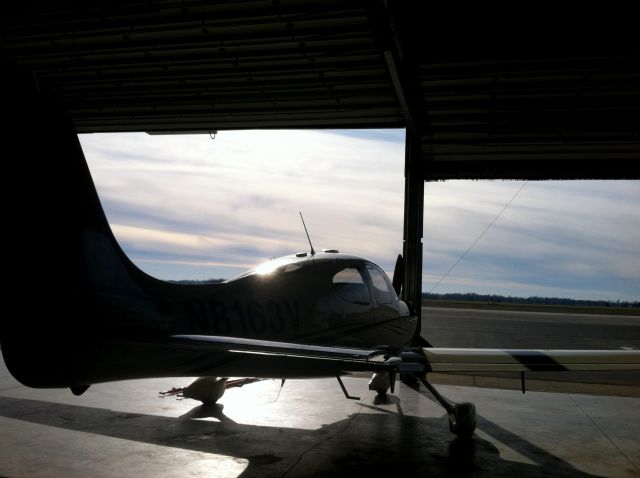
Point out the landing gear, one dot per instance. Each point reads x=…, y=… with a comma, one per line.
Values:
x=462, y=416
x=380, y=382
x=208, y=390
x=462, y=420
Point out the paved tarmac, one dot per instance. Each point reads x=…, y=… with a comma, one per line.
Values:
x=450, y=327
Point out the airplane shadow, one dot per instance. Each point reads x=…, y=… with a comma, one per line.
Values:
x=206, y=411
x=364, y=444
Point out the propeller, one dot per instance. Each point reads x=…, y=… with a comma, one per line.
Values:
x=398, y=284
x=398, y=275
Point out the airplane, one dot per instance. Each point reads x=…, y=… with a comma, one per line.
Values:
x=305, y=315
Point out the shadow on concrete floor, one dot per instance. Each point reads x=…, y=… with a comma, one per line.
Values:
x=363, y=444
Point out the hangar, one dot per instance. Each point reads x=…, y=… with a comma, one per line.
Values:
x=482, y=93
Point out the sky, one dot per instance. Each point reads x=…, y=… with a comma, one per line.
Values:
x=193, y=207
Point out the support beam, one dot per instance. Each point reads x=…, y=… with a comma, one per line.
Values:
x=392, y=53
x=413, y=216
x=400, y=93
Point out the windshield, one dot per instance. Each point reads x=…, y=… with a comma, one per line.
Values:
x=382, y=288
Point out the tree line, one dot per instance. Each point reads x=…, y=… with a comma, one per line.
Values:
x=498, y=299
x=197, y=282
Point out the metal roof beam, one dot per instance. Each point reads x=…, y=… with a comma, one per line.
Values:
x=392, y=52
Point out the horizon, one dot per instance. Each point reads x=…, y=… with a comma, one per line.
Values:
x=634, y=303
x=188, y=207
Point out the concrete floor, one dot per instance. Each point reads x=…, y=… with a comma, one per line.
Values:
x=309, y=429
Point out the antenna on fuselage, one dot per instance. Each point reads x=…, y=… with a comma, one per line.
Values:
x=307, y=233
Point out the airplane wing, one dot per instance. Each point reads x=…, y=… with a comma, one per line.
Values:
x=506, y=360
x=239, y=345
x=430, y=359
x=420, y=360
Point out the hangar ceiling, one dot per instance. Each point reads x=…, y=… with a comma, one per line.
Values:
x=486, y=94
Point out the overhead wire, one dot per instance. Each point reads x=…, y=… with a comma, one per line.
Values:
x=480, y=236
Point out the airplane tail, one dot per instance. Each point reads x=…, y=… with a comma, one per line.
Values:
x=55, y=235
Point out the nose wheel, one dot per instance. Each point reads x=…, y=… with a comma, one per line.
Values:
x=462, y=416
x=462, y=419
x=380, y=382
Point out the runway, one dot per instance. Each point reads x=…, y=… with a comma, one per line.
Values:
x=309, y=429
x=450, y=327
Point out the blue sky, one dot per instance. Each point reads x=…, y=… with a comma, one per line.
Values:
x=188, y=207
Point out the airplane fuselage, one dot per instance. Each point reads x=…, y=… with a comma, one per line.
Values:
x=322, y=299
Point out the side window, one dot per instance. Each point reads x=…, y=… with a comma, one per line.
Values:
x=381, y=287
x=350, y=286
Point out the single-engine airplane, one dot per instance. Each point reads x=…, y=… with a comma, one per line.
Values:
x=100, y=318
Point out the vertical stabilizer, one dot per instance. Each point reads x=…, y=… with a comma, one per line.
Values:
x=50, y=208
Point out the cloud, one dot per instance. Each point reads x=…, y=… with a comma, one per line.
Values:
x=246, y=194
x=201, y=208
x=579, y=237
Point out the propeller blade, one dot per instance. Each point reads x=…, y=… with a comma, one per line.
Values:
x=398, y=275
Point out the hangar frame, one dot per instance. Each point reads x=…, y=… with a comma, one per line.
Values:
x=484, y=93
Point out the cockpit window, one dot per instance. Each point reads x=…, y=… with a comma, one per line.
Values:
x=350, y=286
x=381, y=287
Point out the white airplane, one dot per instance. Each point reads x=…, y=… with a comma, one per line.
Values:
x=102, y=319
